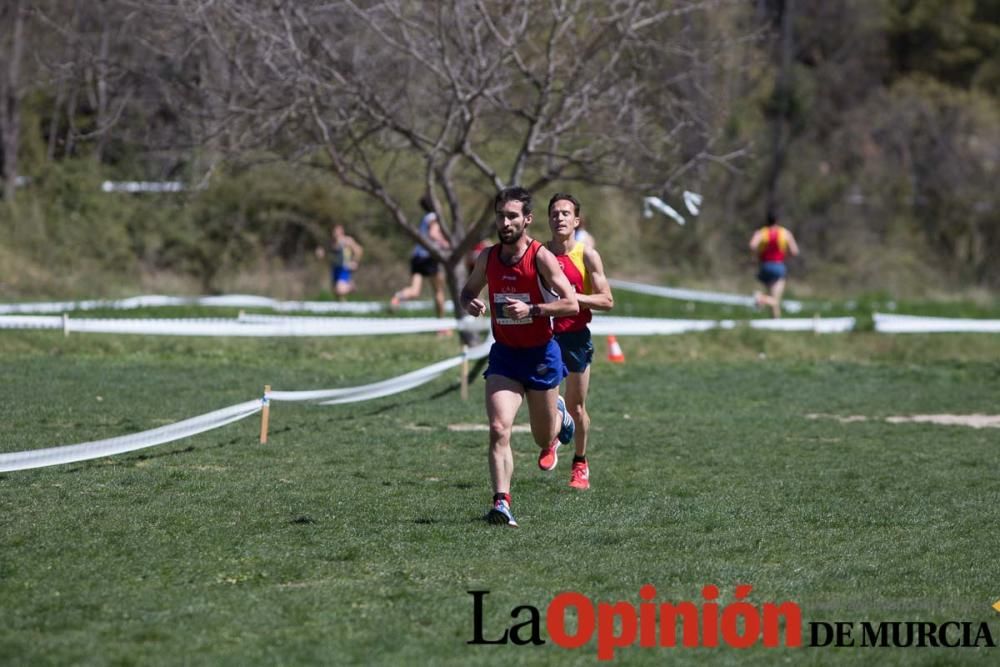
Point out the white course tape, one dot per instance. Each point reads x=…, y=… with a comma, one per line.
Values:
x=287, y=326
x=39, y=458
x=348, y=326
x=385, y=387
x=607, y=325
x=641, y=326
x=697, y=295
x=245, y=326
x=30, y=322
x=351, y=307
x=816, y=324
x=227, y=301
x=915, y=324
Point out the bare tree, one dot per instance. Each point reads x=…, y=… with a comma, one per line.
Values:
x=455, y=98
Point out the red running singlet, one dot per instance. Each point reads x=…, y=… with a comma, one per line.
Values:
x=521, y=282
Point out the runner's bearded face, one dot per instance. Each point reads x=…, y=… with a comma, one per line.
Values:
x=511, y=222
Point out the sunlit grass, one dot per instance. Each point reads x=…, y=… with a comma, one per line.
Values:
x=353, y=536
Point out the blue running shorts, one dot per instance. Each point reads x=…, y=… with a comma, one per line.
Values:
x=538, y=368
x=577, y=349
x=771, y=272
x=340, y=274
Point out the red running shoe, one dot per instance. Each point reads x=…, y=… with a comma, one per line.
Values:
x=579, y=478
x=549, y=457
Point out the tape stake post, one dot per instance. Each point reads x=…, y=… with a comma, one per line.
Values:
x=265, y=413
x=465, y=373
x=65, y=325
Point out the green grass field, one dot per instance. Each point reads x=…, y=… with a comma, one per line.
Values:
x=353, y=536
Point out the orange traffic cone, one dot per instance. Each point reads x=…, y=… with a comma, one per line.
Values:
x=615, y=353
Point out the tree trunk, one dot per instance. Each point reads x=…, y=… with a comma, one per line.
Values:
x=10, y=103
x=781, y=101
x=101, y=90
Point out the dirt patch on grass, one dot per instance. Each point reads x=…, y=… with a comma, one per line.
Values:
x=518, y=428
x=974, y=421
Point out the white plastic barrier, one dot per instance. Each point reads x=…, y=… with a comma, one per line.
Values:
x=385, y=387
x=244, y=326
x=697, y=295
x=352, y=307
x=640, y=326
x=816, y=324
x=360, y=326
x=39, y=458
x=289, y=326
x=224, y=301
x=605, y=325
x=916, y=324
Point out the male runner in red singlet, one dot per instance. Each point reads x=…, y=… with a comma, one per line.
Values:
x=525, y=360
x=585, y=271
x=770, y=244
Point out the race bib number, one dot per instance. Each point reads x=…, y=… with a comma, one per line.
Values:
x=500, y=300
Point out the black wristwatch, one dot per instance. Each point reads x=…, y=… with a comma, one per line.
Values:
x=535, y=310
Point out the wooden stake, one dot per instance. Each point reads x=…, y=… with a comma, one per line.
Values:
x=465, y=373
x=65, y=325
x=265, y=412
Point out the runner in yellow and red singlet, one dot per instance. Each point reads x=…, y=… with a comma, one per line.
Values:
x=770, y=245
x=585, y=271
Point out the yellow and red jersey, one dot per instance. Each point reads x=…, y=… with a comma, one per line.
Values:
x=576, y=271
x=773, y=243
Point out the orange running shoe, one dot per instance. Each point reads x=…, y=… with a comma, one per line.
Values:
x=549, y=457
x=579, y=478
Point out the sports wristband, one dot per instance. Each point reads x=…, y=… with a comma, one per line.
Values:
x=535, y=310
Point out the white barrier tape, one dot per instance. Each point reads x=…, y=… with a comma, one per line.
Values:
x=608, y=325
x=122, y=444
x=227, y=301
x=142, y=186
x=352, y=307
x=697, y=295
x=246, y=326
x=363, y=325
x=30, y=322
x=283, y=326
x=640, y=326
x=385, y=387
x=816, y=324
x=916, y=324
x=39, y=458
